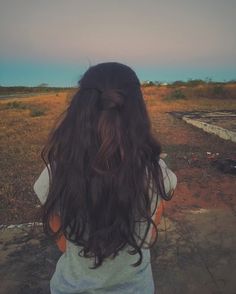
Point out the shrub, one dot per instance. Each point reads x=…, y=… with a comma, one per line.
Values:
x=15, y=105
x=37, y=112
x=194, y=83
x=219, y=91
x=177, y=84
x=175, y=95
x=148, y=84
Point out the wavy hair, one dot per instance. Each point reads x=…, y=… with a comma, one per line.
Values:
x=104, y=165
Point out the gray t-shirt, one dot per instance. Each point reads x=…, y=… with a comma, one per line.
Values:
x=73, y=273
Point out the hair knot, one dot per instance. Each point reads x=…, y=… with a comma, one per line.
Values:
x=112, y=98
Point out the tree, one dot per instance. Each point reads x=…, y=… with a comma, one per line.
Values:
x=43, y=85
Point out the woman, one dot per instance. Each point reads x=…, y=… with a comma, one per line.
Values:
x=103, y=186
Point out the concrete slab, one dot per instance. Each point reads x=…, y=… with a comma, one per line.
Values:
x=221, y=123
x=195, y=253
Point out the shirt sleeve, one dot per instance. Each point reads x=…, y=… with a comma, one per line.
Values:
x=170, y=182
x=170, y=179
x=41, y=186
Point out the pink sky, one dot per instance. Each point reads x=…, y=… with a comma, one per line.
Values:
x=160, y=33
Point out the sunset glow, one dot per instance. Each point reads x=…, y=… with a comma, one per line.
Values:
x=56, y=41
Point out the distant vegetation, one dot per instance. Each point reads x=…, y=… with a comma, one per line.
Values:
x=189, y=83
x=177, y=90
x=207, y=88
x=42, y=88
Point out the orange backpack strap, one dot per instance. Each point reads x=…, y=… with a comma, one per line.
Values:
x=157, y=216
x=55, y=223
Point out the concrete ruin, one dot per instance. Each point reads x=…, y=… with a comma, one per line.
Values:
x=221, y=123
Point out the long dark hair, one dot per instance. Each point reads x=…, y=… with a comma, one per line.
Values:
x=104, y=165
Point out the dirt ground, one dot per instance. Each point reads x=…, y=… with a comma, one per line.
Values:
x=195, y=251
x=194, y=254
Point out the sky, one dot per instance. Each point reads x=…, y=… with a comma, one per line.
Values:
x=55, y=41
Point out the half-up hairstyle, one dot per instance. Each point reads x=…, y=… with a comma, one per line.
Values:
x=104, y=166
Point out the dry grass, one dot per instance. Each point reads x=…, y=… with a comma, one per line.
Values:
x=155, y=100
x=23, y=135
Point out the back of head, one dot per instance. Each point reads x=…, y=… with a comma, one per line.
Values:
x=106, y=158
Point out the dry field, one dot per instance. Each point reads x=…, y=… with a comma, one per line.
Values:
x=195, y=252
x=26, y=122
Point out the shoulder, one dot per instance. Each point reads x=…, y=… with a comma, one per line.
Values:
x=162, y=163
x=169, y=177
x=41, y=185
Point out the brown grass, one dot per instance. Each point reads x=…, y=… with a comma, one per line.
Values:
x=22, y=137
